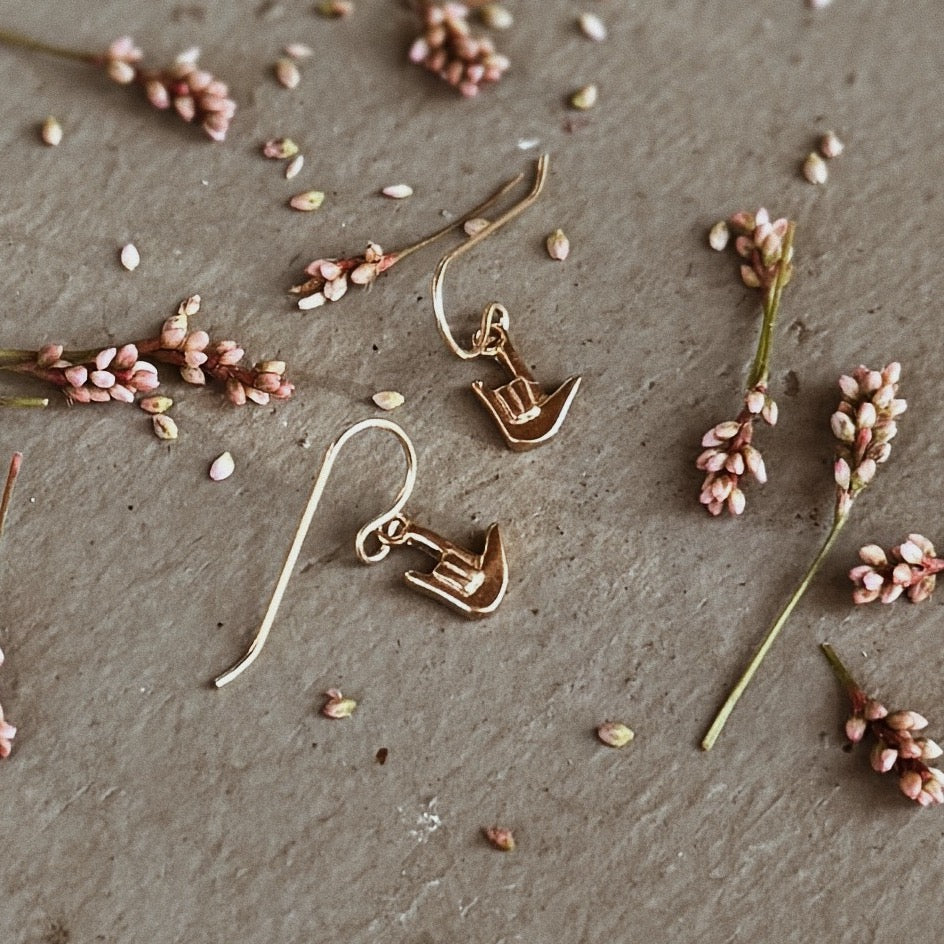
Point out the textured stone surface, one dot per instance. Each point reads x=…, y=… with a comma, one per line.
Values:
x=142, y=805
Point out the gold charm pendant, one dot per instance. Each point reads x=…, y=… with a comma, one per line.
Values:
x=472, y=584
x=526, y=416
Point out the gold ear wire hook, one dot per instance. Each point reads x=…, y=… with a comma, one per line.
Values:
x=482, y=340
x=317, y=491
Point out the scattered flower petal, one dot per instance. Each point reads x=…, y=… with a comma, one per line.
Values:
x=130, y=257
x=584, y=98
x=307, y=201
x=398, y=191
x=615, y=734
x=592, y=27
x=388, y=399
x=222, y=467
x=558, y=245
x=287, y=72
x=51, y=131
x=500, y=838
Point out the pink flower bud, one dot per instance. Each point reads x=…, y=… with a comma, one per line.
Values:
x=235, y=391
x=122, y=393
x=102, y=378
x=910, y=784
x=843, y=428
x=193, y=375
x=749, y=277
x=48, y=354
x=874, y=710
x=901, y=574
x=882, y=758
x=500, y=838
x=174, y=331
x=736, y=502
x=864, y=473
x=770, y=412
x=337, y=706
x=856, y=727
x=842, y=473
x=906, y=721
x=849, y=388
x=866, y=415
x=76, y=375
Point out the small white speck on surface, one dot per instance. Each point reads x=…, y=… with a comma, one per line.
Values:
x=51, y=131
x=222, y=467
x=298, y=50
x=526, y=144
x=398, y=191
x=388, y=399
x=130, y=257
x=585, y=97
x=592, y=27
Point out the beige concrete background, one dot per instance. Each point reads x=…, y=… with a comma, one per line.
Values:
x=142, y=805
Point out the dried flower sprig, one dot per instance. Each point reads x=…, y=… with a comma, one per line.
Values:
x=728, y=451
x=7, y=730
x=119, y=373
x=864, y=425
x=195, y=94
x=897, y=746
x=448, y=48
x=329, y=279
x=908, y=568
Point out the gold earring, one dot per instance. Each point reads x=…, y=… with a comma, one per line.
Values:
x=525, y=414
x=472, y=584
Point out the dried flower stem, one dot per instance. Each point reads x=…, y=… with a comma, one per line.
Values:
x=864, y=424
x=899, y=742
x=330, y=278
x=735, y=694
x=14, y=471
x=34, y=45
x=760, y=370
x=24, y=401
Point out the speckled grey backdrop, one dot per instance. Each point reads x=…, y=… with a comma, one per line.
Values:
x=141, y=805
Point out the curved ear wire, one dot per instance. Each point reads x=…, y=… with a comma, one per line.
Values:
x=317, y=491
x=482, y=337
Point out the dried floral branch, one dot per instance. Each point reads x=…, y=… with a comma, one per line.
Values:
x=448, y=48
x=118, y=373
x=728, y=452
x=895, y=747
x=864, y=425
x=195, y=94
x=12, y=475
x=330, y=278
x=7, y=730
x=911, y=570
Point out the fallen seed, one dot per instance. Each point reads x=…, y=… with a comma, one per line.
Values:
x=298, y=51
x=584, y=98
x=164, y=427
x=307, y=201
x=287, y=72
x=558, y=245
x=337, y=706
x=51, y=131
x=475, y=225
x=615, y=734
x=398, y=191
x=155, y=405
x=388, y=399
x=718, y=235
x=294, y=166
x=279, y=148
x=495, y=16
x=814, y=169
x=130, y=257
x=222, y=467
x=501, y=838
x=830, y=146
x=592, y=27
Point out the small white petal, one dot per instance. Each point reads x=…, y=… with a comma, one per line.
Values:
x=130, y=257
x=398, y=191
x=388, y=399
x=223, y=467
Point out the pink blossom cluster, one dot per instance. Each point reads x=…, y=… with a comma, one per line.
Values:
x=331, y=278
x=448, y=48
x=761, y=243
x=198, y=357
x=112, y=374
x=195, y=94
x=7, y=730
x=898, y=747
x=864, y=423
x=728, y=454
x=909, y=568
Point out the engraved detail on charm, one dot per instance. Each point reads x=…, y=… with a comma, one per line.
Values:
x=525, y=414
x=473, y=584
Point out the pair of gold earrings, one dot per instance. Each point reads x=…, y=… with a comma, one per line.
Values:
x=471, y=584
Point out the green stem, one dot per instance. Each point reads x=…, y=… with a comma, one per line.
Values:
x=760, y=369
x=24, y=401
x=842, y=673
x=721, y=718
x=35, y=45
